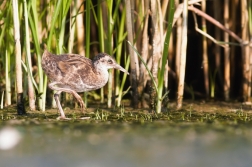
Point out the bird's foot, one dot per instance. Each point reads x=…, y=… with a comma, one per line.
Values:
x=83, y=107
x=82, y=104
x=83, y=110
x=63, y=118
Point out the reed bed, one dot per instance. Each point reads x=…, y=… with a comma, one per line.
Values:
x=173, y=49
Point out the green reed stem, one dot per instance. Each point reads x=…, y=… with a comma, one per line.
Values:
x=49, y=42
x=165, y=57
x=62, y=24
x=111, y=24
x=53, y=23
x=212, y=77
x=33, y=22
x=7, y=48
x=120, y=37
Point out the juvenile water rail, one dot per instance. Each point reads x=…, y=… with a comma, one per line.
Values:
x=74, y=73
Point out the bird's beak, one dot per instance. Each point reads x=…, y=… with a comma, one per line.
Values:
x=120, y=68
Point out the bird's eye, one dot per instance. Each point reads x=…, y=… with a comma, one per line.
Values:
x=110, y=61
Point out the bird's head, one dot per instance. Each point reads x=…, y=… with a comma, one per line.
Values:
x=103, y=60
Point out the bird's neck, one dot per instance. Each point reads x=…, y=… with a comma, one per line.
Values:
x=102, y=74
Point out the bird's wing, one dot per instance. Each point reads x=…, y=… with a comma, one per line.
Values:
x=78, y=69
x=73, y=63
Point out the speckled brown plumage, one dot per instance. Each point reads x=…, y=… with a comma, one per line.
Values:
x=74, y=73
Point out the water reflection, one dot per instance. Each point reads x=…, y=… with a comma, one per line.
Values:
x=79, y=144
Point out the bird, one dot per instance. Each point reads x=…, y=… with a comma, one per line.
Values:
x=72, y=73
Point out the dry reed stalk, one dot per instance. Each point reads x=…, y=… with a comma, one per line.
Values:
x=178, y=45
x=80, y=28
x=31, y=92
x=134, y=64
x=144, y=52
x=179, y=9
x=139, y=10
x=250, y=40
x=19, y=74
x=204, y=49
x=233, y=26
x=216, y=23
x=143, y=75
x=72, y=25
x=245, y=53
x=156, y=48
x=155, y=55
x=166, y=72
x=7, y=79
x=183, y=55
x=164, y=7
x=226, y=53
x=217, y=49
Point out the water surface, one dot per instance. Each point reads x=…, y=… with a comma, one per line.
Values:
x=178, y=139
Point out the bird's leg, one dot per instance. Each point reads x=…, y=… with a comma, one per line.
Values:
x=82, y=104
x=79, y=99
x=74, y=93
x=56, y=98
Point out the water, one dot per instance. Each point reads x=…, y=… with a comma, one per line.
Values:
x=78, y=143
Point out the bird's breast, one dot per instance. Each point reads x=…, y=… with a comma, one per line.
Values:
x=83, y=83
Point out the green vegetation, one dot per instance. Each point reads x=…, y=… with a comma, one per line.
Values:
x=188, y=114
